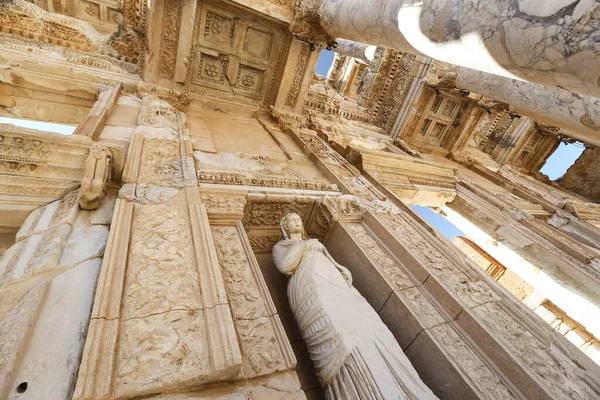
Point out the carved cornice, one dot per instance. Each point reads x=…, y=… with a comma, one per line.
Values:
x=488, y=104
x=288, y=120
x=546, y=128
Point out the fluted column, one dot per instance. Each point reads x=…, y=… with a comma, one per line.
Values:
x=551, y=43
x=362, y=51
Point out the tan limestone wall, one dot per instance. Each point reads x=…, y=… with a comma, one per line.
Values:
x=180, y=307
x=47, y=281
x=504, y=276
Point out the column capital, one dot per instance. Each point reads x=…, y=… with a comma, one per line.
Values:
x=306, y=22
x=441, y=74
x=490, y=104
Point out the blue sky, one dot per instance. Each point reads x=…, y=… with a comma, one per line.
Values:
x=558, y=163
x=42, y=126
x=438, y=222
x=324, y=63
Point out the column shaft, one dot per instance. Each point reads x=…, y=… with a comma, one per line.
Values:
x=553, y=43
x=362, y=51
x=576, y=113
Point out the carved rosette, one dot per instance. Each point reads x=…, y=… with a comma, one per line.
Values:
x=306, y=23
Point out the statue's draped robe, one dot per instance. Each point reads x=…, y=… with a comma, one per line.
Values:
x=354, y=353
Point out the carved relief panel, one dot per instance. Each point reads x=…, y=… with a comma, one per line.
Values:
x=104, y=15
x=438, y=121
x=235, y=52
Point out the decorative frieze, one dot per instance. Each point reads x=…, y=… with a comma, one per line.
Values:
x=245, y=170
x=292, y=97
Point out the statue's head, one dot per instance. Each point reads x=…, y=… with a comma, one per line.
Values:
x=291, y=224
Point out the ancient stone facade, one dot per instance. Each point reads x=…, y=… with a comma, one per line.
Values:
x=136, y=253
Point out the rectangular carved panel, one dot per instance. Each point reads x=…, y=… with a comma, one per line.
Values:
x=265, y=347
x=237, y=52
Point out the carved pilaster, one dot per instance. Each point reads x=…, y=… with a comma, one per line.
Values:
x=161, y=319
x=265, y=348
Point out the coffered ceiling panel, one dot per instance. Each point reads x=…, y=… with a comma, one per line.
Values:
x=236, y=52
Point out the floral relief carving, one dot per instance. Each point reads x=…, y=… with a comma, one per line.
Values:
x=223, y=203
x=21, y=154
x=91, y=10
x=270, y=213
x=163, y=329
x=248, y=80
x=211, y=69
x=169, y=38
x=160, y=163
x=161, y=276
x=261, y=244
x=384, y=262
x=261, y=347
x=162, y=349
x=215, y=25
x=292, y=97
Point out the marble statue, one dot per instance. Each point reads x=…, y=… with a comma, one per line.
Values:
x=354, y=353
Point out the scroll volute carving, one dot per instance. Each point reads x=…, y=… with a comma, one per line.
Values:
x=96, y=177
x=441, y=75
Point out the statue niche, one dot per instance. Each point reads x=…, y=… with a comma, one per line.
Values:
x=354, y=353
